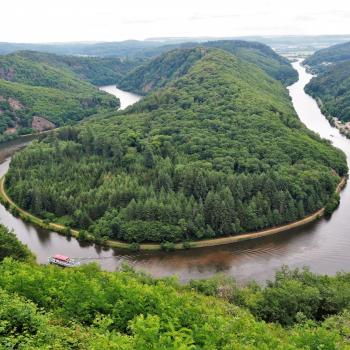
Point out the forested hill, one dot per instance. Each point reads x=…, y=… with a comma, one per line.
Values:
x=332, y=83
x=175, y=62
x=40, y=91
x=255, y=52
x=332, y=87
x=321, y=59
x=261, y=55
x=159, y=71
x=215, y=152
x=96, y=70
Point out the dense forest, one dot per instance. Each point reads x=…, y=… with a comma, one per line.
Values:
x=332, y=87
x=38, y=85
x=175, y=63
x=215, y=152
x=321, y=59
x=96, y=70
x=47, y=307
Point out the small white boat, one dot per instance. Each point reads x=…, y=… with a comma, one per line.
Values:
x=63, y=261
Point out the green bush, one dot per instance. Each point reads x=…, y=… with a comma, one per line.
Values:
x=168, y=246
x=86, y=308
x=332, y=205
x=11, y=247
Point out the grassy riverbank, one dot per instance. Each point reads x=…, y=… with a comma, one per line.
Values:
x=26, y=216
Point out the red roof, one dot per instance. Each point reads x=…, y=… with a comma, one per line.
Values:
x=61, y=257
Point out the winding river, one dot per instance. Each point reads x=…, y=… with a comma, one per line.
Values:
x=323, y=245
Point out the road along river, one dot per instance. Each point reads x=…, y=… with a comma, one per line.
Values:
x=323, y=245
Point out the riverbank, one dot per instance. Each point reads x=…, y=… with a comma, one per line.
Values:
x=344, y=128
x=61, y=229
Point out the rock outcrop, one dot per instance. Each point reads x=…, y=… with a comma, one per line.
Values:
x=42, y=124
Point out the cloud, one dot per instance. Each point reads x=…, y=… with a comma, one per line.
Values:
x=144, y=20
x=200, y=17
x=305, y=18
x=98, y=20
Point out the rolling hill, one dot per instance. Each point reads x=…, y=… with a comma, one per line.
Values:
x=174, y=62
x=321, y=59
x=217, y=150
x=96, y=70
x=331, y=86
x=42, y=91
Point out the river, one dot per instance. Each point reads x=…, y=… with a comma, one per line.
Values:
x=126, y=98
x=323, y=245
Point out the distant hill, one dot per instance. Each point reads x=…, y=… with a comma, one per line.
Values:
x=332, y=87
x=127, y=48
x=49, y=90
x=332, y=83
x=140, y=49
x=159, y=71
x=217, y=150
x=96, y=70
x=321, y=59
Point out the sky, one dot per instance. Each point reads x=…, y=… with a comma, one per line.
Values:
x=114, y=20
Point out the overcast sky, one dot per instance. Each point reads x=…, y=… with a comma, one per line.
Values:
x=112, y=20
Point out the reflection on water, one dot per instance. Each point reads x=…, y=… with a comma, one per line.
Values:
x=126, y=98
x=323, y=245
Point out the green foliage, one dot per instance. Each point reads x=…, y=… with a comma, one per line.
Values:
x=168, y=246
x=176, y=62
x=84, y=308
x=301, y=294
x=96, y=70
x=332, y=87
x=161, y=70
x=45, y=307
x=216, y=152
x=33, y=84
x=11, y=247
x=332, y=84
x=332, y=205
x=260, y=55
x=320, y=60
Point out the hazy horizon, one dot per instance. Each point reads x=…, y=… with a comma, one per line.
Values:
x=40, y=21
x=177, y=38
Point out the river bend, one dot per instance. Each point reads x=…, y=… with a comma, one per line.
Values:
x=323, y=245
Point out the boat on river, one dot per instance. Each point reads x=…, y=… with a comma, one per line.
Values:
x=64, y=261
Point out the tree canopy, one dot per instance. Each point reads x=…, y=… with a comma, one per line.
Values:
x=11, y=247
x=321, y=59
x=47, y=307
x=51, y=87
x=218, y=150
x=332, y=88
x=177, y=59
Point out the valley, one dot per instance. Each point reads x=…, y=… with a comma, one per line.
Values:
x=174, y=175
x=244, y=260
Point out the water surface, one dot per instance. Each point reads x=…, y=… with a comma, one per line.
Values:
x=126, y=98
